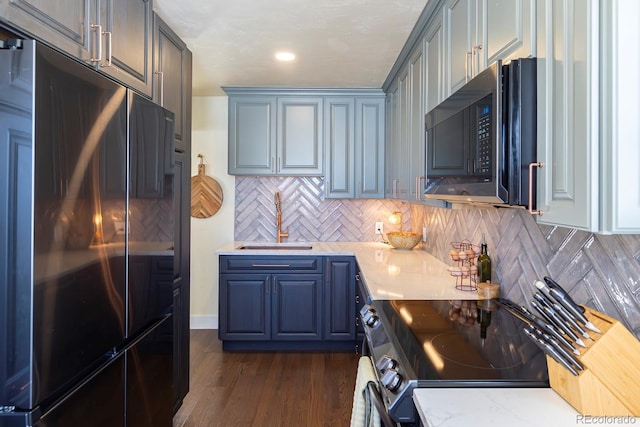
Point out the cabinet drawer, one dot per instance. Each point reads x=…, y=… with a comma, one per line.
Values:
x=230, y=264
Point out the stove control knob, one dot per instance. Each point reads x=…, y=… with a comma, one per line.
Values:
x=391, y=380
x=371, y=320
x=365, y=308
x=385, y=363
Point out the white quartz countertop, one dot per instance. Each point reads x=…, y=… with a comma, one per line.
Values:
x=388, y=273
x=491, y=407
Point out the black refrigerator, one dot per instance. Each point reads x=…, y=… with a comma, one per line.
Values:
x=86, y=246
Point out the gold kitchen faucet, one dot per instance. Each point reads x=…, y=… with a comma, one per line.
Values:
x=280, y=234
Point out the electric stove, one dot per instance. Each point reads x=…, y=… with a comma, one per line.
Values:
x=443, y=343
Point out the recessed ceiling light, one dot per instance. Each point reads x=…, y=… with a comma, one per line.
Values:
x=285, y=56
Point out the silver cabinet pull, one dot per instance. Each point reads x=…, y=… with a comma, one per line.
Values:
x=531, y=166
x=160, y=75
x=418, y=187
x=98, y=31
x=271, y=265
x=109, y=49
x=394, y=188
x=475, y=59
x=467, y=57
x=266, y=285
x=272, y=163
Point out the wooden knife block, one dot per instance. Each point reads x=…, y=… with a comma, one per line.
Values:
x=610, y=382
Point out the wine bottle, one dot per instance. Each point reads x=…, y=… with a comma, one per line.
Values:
x=484, y=319
x=484, y=265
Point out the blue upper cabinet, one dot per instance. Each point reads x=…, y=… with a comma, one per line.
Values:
x=65, y=25
x=335, y=133
x=354, y=147
x=299, y=141
x=252, y=135
x=275, y=135
x=113, y=36
x=340, y=175
x=369, y=147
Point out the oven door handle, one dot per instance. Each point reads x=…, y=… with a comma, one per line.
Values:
x=376, y=398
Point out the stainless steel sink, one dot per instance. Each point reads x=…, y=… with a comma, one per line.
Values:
x=271, y=247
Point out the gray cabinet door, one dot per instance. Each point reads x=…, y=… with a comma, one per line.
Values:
x=399, y=147
x=181, y=259
x=127, y=49
x=296, y=307
x=172, y=78
x=433, y=52
x=245, y=307
x=252, y=135
x=62, y=24
x=339, y=148
x=390, y=153
x=369, y=140
x=340, y=297
x=509, y=26
x=567, y=111
x=459, y=17
x=299, y=139
x=416, y=135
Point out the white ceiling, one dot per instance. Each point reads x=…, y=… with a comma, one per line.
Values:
x=338, y=43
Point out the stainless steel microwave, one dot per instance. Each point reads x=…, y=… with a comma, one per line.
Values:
x=481, y=139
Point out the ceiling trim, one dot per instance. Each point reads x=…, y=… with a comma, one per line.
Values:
x=323, y=91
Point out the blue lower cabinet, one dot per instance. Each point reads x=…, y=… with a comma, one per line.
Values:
x=264, y=306
x=260, y=307
x=297, y=307
x=245, y=307
x=340, y=296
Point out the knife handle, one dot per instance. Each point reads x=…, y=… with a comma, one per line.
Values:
x=569, y=305
x=568, y=317
x=568, y=356
x=560, y=324
x=550, y=351
x=551, y=330
x=554, y=285
x=540, y=309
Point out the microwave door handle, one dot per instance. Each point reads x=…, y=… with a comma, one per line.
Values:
x=531, y=166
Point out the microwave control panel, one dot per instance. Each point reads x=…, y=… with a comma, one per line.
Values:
x=483, y=154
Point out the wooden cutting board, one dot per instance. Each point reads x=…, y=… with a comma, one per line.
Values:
x=206, y=195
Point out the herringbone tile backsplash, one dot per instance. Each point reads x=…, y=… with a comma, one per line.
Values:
x=597, y=270
x=306, y=213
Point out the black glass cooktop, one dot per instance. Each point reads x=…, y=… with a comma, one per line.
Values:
x=463, y=342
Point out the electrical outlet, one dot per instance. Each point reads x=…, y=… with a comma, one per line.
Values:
x=424, y=233
x=379, y=227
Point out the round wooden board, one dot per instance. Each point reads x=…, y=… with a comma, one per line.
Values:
x=206, y=195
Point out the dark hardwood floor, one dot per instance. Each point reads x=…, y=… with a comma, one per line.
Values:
x=278, y=389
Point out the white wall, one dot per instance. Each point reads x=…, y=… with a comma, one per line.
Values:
x=209, y=138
